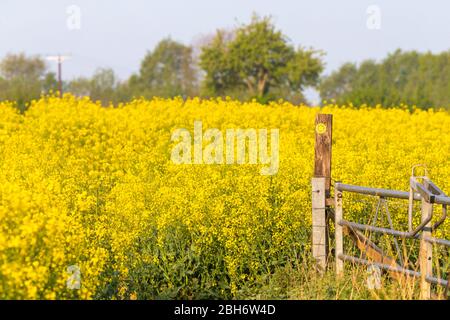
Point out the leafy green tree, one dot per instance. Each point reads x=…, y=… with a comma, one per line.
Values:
x=23, y=78
x=101, y=87
x=338, y=83
x=166, y=71
x=220, y=77
x=258, y=62
x=413, y=78
x=104, y=84
x=81, y=87
x=19, y=66
x=50, y=83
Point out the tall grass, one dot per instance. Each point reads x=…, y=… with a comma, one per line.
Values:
x=303, y=281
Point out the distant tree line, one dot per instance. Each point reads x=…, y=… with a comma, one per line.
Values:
x=412, y=78
x=253, y=61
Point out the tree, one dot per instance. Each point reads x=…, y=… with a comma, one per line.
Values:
x=301, y=72
x=258, y=62
x=167, y=71
x=50, y=83
x=23, y=78
x=413, y=78
x=101, y=87
x=19, y=66
x=220, y=75
x=81, y=87
x=104, y=83
x=338, y=82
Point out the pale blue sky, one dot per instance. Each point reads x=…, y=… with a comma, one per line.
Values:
x=117, y=33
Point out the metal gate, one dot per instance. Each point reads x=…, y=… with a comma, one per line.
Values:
x=421, y=189
x=325, y=206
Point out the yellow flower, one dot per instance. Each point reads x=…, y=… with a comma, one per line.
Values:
x=90, y=194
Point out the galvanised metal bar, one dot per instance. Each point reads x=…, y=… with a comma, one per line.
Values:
x=408, y=272
x=365, y=227
x=410, y=206
x=435, y=189
x=380, y=265
x=442, y=200
x=437, y=241
x=424, y=193
x=442, y=219
x=392, y=232
x=387, y=193
x=438, y=281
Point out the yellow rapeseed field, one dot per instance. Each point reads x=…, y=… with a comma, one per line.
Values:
x=93, y=187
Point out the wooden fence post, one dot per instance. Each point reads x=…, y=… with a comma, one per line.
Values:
x=319, y=223
x=321, y=184
x=322, y=161
x=426, y=252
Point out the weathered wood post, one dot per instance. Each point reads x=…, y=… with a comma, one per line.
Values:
x=319, y=223
x=339, y=235
x=426, y=251
x=321, y=184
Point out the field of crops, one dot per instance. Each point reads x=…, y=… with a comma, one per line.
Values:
x=93, y=189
